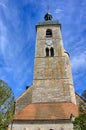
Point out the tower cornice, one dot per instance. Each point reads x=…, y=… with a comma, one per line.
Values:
x=48, y=23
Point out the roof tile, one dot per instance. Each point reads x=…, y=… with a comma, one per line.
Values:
x=49, y=111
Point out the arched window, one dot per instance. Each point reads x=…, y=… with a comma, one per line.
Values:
x=47, y=51
x=49, y=33
x=51, y=51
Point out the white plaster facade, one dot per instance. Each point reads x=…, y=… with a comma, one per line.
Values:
x=42, y=125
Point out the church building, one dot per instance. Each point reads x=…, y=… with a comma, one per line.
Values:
x=50, y=103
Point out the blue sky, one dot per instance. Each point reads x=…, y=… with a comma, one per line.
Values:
x=18, y=36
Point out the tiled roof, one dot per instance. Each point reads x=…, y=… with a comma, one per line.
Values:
x=49, y=111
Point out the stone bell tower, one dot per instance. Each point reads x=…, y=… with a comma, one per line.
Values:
x=50, y=102
x=52, y=73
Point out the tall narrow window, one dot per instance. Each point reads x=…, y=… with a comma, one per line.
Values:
x=47, y=51
x=51, y=51
x=49, y=33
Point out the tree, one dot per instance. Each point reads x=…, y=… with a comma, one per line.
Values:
x=6, y=105
x=84, y=95
x=80, y=122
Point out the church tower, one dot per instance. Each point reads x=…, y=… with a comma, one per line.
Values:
x=52, y=73
x=49, y=104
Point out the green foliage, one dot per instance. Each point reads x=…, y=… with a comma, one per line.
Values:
x=80, y=122
x=6, y=105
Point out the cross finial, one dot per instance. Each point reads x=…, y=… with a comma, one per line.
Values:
x=48, y=16
x=48, y=8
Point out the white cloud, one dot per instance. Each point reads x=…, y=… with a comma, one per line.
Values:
x=58, y=10
x=3, y=5
x=3, y=38
x=79, y=61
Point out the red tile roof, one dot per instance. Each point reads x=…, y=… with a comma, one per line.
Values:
x=49, y=111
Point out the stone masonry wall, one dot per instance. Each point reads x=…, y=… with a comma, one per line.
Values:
x=50, y=68
x=41, y=41
x=50, y=91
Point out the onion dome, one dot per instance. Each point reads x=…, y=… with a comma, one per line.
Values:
x=48, y=16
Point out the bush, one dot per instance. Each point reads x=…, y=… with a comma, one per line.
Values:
x=6, y=105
